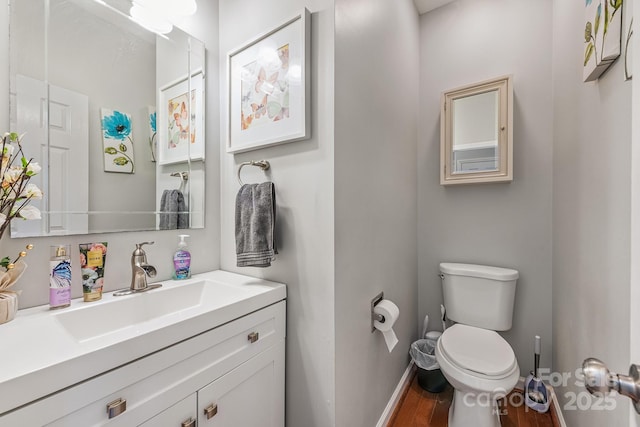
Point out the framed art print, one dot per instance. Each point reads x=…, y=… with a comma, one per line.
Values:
x=268, y=81
x=179, y=121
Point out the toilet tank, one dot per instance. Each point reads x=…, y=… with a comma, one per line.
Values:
x=479, y=295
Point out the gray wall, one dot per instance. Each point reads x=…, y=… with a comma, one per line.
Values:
x=591, y=215
x=203, y=243
x=376, y=115
x=507, y=225
x=304, y=181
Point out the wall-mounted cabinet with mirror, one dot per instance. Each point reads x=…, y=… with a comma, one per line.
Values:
x=476, y=133
x=104, y=107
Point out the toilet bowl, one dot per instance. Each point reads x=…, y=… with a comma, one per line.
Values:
x=482, y=368
x=473, y=357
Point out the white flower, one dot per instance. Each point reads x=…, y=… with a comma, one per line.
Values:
x=3, y=217
x=33, y=168
x=12, y=174
x=29, y=212
x=32, y=191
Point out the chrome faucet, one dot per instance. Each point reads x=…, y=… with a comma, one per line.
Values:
x=140, y=270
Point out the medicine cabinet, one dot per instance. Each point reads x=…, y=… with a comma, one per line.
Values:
x=476, y=133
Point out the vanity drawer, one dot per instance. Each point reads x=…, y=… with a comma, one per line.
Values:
x=155, y=382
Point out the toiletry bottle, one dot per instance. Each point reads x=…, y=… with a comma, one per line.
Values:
x=182, y=260
x=60, y=277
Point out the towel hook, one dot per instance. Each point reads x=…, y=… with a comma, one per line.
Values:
x=262, y=164
x=183, y=175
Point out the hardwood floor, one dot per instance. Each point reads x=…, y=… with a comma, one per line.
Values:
x=420, y=408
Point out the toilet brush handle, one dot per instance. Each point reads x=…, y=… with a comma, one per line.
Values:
x=536, y=358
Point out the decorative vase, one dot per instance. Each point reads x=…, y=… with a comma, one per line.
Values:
x=9, y=298
x=8, y=306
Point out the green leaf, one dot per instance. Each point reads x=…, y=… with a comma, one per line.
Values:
x=13, y=136
x=587, y=32
x=4, y=262
x=123, y=147
x=24, y=162
x=110, y=150
x=120, y=161
x=597, y=19
x=588, y=52
x=607, y=18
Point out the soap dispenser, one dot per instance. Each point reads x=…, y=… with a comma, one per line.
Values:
x=182, y=260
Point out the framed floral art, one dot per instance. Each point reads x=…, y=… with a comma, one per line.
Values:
x=180, y=124
x=268, y=80
x=117, y=141
x=603, y=26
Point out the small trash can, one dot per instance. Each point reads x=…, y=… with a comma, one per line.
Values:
x=423, y=354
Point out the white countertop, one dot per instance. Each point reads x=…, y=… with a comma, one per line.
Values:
x=42, y=352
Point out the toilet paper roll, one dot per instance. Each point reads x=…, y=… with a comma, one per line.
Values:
x=391, y=312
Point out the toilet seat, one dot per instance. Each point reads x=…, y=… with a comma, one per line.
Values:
x=478, y=351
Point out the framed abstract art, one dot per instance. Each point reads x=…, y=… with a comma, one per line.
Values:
x=268, y=81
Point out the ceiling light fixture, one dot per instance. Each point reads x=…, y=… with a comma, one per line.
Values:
x=150, y=19
x=170, y=8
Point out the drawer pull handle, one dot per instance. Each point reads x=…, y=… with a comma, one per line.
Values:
x=116, y=407
x=211, y=410
x=253, y=337
x=189, y=423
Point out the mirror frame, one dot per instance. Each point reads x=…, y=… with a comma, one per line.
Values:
x=504, y=173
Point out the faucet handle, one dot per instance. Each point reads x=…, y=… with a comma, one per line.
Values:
x=138, y=250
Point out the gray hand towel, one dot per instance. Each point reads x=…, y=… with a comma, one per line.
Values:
x=255, y=225
x=173, y=210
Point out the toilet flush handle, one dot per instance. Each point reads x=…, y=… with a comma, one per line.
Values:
x=599, y=380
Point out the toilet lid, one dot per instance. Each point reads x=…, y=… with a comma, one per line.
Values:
x=478, y=350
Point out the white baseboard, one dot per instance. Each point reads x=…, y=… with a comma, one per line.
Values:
x=395, y=397
x=556, y=407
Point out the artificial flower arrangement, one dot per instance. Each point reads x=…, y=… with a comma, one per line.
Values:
x=15, y=194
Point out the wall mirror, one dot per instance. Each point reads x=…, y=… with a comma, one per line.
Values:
x=476, y=133
x=113, y=112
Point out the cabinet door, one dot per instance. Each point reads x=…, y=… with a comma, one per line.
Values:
x=251, y=395
x=181, y=414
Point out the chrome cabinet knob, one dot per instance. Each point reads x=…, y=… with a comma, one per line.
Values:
x=253, y=337
x=116, y=407
x=211, y=411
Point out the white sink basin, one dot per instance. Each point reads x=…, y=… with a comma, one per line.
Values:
x=130, y=311
x=70, y=345
x=143, y=310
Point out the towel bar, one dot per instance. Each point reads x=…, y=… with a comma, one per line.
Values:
x=262, y=164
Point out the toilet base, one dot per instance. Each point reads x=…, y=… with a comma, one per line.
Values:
x=478, y=410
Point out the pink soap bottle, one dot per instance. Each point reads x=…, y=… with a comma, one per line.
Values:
x=59, y=277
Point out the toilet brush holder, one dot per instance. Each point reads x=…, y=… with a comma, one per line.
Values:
x=536, y=395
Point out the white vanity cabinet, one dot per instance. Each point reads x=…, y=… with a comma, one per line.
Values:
x=245, y=396
x=182, y=414
x=250, y=395
x=235, y=371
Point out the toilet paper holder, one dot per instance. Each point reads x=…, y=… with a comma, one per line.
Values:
x=376, y=316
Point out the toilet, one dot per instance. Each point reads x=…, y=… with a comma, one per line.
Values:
x=474, y=358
